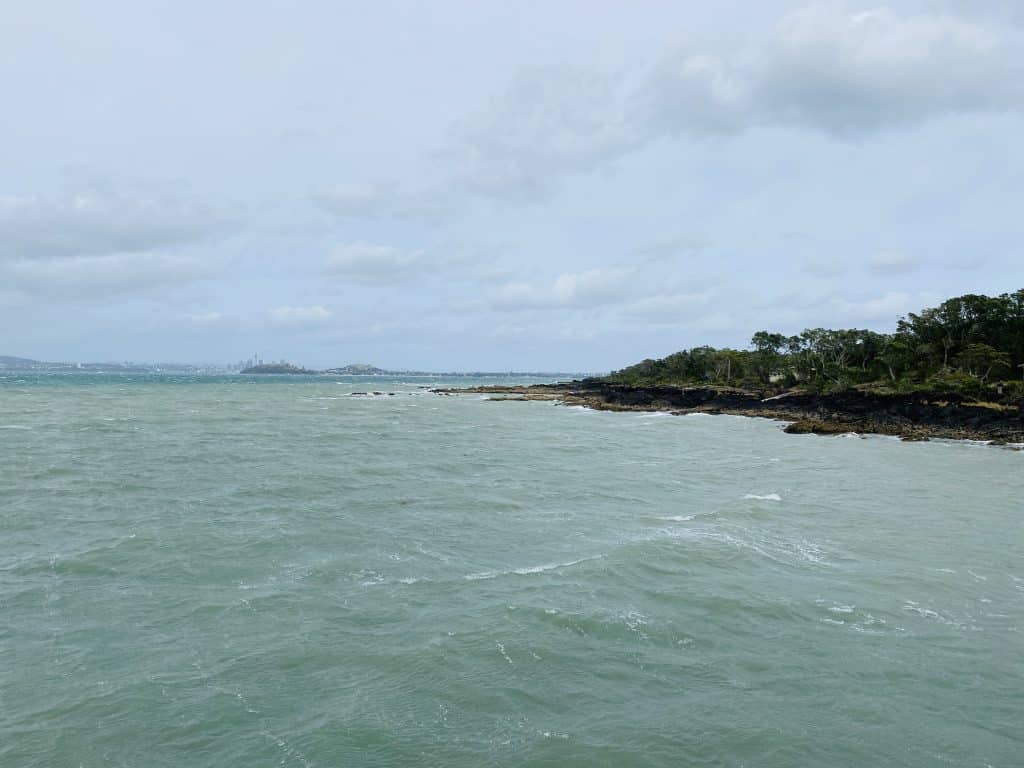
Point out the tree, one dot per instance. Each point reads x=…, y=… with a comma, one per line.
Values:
x=897, y=354
x=981, y=357
x=767, y=353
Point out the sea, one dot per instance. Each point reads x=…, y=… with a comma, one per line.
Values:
x=220, y=571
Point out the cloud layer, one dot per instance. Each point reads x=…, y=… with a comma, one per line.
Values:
x=824, y=68
x=576, y=186
x=91, y=223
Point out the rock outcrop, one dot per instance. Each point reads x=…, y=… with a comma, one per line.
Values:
x=916, y=416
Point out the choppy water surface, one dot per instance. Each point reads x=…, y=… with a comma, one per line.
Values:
x=256, y=572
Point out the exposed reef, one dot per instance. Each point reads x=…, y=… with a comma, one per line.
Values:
x=917, y=416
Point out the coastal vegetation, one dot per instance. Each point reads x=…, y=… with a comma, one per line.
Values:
x=971, y=346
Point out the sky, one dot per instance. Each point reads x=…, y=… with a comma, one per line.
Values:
x=455, y=185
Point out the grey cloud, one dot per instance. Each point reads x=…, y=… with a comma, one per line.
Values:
x=850, y=73
x=893, y=263
x=547, y=123
x=372, y=263
x=96, y=223
x=380, y=200
x=693, y=93
x=669, y=247
x=670, y=306
x=1005, y=10
x=793, y=312
x=365, y=262
x=205, y=318
x=824, y=267
x=968, y=262
x=825, y=69
x=92, y=277
x=881, y=310
x=841, y=72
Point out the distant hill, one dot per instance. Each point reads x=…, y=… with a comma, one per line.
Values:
x=15, y=362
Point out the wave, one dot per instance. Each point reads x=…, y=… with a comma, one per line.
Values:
x=528, y=570
x=765, y=497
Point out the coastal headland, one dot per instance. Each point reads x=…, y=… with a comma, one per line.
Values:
x=946, y=372
x=915, y=416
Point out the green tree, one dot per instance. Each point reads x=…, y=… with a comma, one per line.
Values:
x=980, y=360
x=767, y=354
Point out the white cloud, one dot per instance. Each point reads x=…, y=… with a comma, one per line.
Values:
x=591, y=288
x=594, y=286
x=303, y=317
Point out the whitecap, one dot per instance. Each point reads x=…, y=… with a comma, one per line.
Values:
x=678, y=518
x=528, y=570
x=840, y=609
x=765, y=497
x=508, y=658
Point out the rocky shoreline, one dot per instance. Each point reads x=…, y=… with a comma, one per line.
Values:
x=917, y=416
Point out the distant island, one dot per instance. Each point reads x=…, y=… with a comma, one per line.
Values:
x=359, y=369
x=278, y=368
x=952, y=371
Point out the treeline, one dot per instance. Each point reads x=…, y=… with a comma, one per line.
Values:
x=969, y=344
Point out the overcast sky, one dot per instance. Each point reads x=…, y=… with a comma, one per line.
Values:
x=564, y=186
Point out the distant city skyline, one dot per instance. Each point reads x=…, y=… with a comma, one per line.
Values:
x=494, y=186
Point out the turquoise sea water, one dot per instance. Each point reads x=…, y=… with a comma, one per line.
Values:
x=272, y=572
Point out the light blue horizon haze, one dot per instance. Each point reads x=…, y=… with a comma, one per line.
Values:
x=497, y=186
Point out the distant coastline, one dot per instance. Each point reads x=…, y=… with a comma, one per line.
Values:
x=9, y=364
